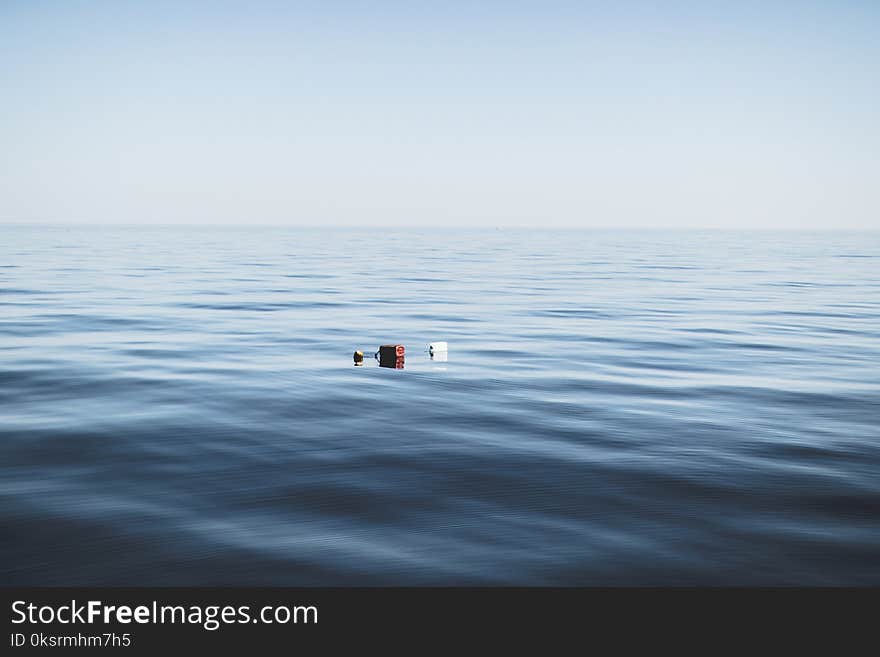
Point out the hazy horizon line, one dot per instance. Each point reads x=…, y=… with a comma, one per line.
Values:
x=435, y=227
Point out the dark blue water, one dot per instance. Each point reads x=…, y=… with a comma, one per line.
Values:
x=179, y=406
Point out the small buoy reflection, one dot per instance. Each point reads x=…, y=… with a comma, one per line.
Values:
x=394, y=363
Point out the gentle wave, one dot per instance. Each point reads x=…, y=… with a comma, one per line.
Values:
x=181, y=407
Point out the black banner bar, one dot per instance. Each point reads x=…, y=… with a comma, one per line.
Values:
x=276, y=619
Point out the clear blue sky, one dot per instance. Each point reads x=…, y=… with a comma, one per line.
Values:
x=630, y=114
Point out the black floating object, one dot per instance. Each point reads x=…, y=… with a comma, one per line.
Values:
x=391, y=355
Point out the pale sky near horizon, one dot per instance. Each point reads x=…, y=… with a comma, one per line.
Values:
x=566, y=114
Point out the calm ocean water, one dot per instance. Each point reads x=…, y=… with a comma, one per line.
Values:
x=179, y=406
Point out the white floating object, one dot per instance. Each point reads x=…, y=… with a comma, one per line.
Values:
x=439, y=356
x=436, y=347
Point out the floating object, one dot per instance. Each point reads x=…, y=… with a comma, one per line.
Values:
x=436, y=347
x=437, y=351
x=387, y=351
x=391, y=355
x=359, y=358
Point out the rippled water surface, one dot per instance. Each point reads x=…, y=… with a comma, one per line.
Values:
x=179, y=406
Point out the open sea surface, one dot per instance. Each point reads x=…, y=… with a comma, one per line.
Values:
x=179, y=406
